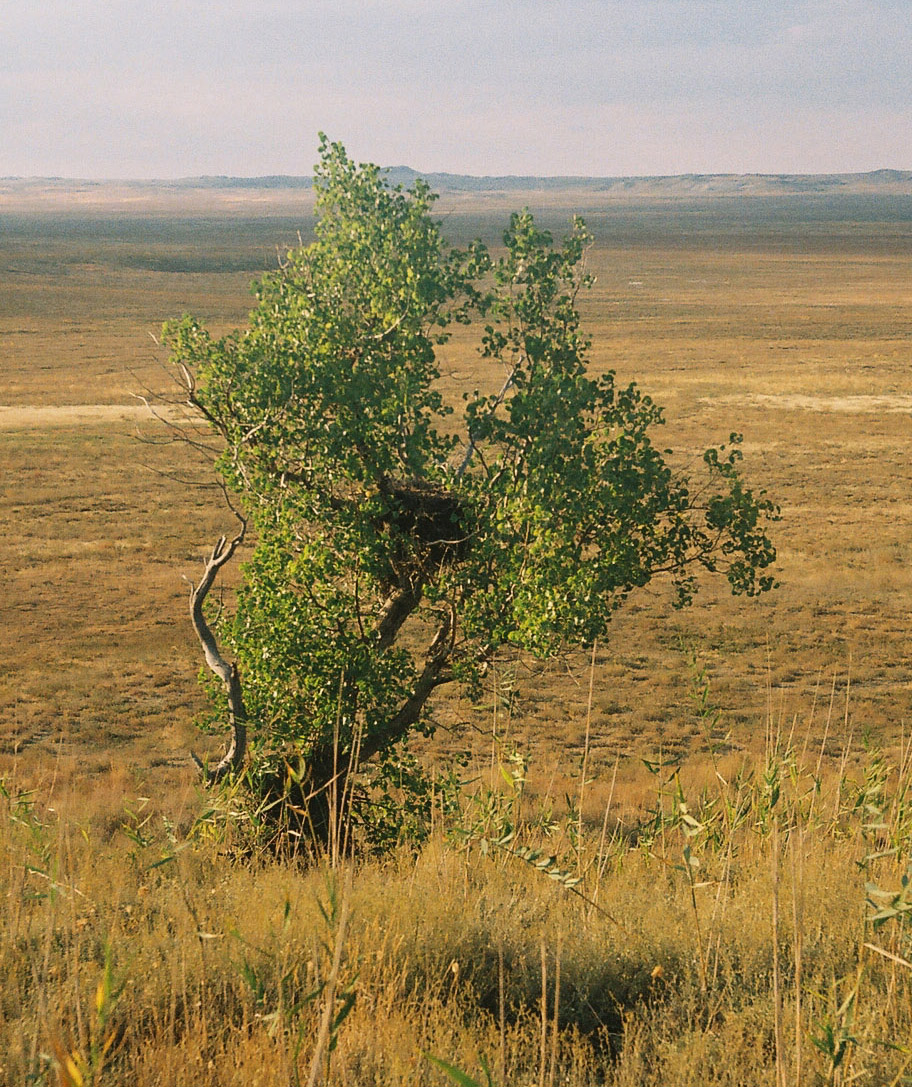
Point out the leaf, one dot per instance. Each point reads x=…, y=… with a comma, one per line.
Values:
x=455, y=1074
x=342, y=1014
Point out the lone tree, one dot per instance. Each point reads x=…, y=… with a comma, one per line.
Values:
x=396, y=549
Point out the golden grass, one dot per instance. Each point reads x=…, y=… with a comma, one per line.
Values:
x=714, y=941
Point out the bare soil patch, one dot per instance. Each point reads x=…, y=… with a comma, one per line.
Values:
x=853, y=405
x=28, y=416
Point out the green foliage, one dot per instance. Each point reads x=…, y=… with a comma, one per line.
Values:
x=398, y=800
x=22, y=811
x=488, y=816
x=395, y=551
x=463, y=1079
x=887, y=906
x=284, y=990
x=836, y=1036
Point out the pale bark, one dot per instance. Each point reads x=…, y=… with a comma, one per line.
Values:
x=233, y=758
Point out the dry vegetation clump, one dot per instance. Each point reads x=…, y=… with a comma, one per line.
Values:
x=734, y=934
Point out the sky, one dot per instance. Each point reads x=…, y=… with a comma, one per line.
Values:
x=182, y=88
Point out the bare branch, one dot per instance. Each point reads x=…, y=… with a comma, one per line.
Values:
x=228, y=673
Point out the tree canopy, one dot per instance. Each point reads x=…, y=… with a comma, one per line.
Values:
x=400, y=545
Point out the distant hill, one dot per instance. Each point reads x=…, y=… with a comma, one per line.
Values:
x=883, y=182
x=897, y=181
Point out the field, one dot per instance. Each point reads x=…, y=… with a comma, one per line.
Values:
x=784, y=318
x=779, y=319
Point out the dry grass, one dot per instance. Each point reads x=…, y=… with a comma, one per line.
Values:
x=713, y=941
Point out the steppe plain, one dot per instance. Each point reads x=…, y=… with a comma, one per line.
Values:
x=783, y=317
x=725, y=929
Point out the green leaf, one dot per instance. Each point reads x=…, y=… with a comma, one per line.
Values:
x=456, y=1074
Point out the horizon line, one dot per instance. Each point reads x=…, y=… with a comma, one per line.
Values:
x=891, y=172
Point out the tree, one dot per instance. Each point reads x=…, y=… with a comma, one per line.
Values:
x=396, y=551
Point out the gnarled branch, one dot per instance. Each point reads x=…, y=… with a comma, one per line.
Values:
x=434, y=674
x=397, y=607
x=228, y=673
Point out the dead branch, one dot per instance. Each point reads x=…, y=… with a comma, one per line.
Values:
x=233, y=758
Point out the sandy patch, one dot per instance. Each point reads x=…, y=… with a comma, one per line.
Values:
x=854, y=405
x=37, y=417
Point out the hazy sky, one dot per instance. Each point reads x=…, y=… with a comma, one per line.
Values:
x=172, y=88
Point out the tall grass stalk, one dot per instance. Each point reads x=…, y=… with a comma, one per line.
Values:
x=329, y=1019
x=602, y=855
x=543, y=1051
x=777, y=977
x=848, y=732
x=584, y=771
x=555, y=1019
x=796, y=855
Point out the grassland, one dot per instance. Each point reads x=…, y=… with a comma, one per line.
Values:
x=784, y=318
